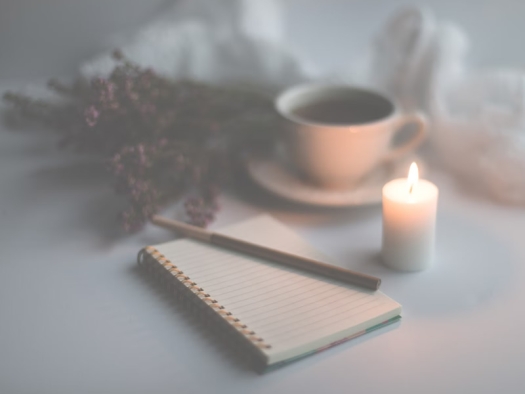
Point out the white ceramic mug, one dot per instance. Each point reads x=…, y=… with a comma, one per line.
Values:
x=338, y=154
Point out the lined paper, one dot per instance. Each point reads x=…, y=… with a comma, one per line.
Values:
x=289, y=308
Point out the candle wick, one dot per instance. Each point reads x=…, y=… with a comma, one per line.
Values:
x=411, y=188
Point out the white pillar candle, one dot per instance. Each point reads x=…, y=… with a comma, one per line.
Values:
x=409, y=222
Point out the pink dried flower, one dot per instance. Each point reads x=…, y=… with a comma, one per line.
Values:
x=91, y=115
x=160, y=138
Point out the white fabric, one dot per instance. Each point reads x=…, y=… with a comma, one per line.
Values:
x=478, y=123
x=477, y=117
x=216, y=41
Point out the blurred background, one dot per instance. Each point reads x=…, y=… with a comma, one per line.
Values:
x=42, y=38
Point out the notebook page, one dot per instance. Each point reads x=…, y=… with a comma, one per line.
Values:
x=288, y=308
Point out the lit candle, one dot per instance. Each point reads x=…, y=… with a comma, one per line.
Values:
x=409, y=222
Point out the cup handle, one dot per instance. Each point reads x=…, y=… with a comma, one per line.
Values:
x=421, y=121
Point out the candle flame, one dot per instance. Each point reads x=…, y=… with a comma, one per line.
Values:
x=413, y=176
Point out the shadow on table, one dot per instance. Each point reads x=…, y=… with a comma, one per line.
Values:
x=85, y=187
x=294, y=212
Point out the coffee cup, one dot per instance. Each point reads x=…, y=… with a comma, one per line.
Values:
x=336, y=134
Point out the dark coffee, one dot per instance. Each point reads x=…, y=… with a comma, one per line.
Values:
x=362, y=108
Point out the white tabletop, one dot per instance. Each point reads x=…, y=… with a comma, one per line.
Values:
x=76, y=315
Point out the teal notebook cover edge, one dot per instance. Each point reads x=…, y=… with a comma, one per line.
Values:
x=280, y=364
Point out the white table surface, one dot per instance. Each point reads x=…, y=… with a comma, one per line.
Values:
x=76, y=316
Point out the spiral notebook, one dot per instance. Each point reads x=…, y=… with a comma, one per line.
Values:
x=273, y=313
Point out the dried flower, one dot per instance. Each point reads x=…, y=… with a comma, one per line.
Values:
x=91, y=114
x=161, y=139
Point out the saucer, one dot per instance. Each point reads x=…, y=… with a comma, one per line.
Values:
x=274, y=175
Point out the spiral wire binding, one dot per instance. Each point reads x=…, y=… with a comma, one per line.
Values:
x=205, y=297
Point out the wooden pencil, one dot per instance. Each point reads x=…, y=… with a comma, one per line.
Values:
x=281, y=257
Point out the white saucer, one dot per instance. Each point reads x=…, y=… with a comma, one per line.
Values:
x=275, y=176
